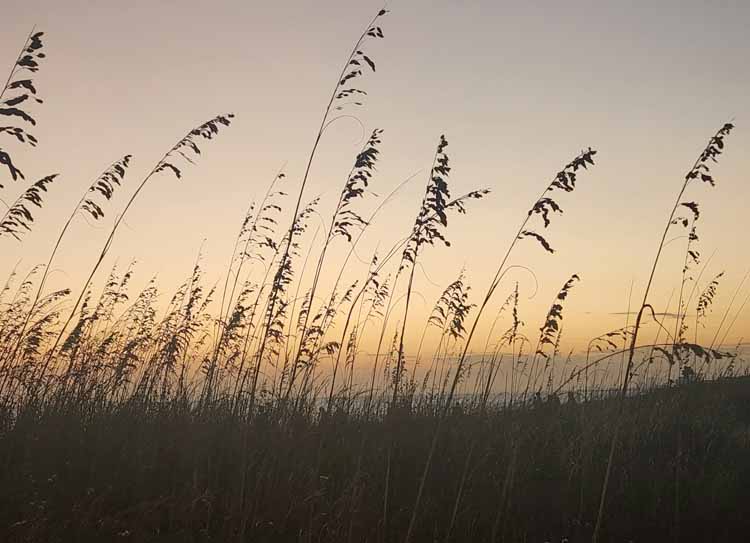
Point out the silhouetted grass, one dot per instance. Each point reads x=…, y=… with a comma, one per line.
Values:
x=125, y=420
x=169, y=472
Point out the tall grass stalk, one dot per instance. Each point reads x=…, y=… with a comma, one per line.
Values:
x=699, y=172
x=188, y=143
x=104, y=185
x=565, y=181
x=340, y=98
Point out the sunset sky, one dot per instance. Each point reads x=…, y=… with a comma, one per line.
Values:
x=518, y=88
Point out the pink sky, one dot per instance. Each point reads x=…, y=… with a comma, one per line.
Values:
x=519, y=88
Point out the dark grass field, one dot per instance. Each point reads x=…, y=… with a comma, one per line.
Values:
x=681, y=472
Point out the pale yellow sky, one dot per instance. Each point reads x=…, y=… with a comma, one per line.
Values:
x=519, y=88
